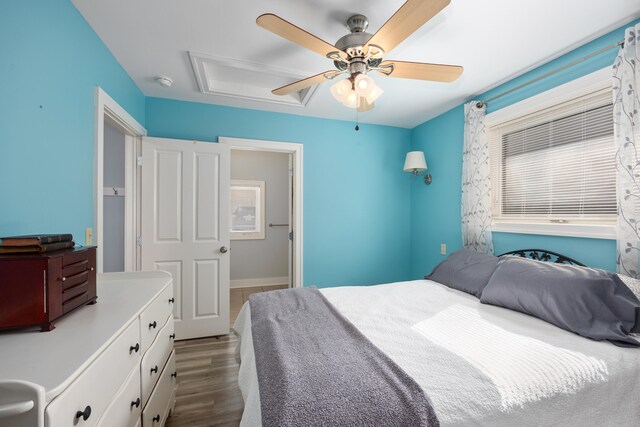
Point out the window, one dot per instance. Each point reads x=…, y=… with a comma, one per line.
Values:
x=555, y=166
x=247, y=210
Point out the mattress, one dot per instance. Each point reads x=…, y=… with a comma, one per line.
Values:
x=478, y=364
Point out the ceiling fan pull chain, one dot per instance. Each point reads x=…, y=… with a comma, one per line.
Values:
x=357, y=120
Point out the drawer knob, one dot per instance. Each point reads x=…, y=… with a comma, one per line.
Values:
x=135, y=348
x=172, y=300
x=153, y=325
x=172, y=336
x=64, y=279
x=91, y=268
x=154, y=370
x=156, y=418
x=84, y=414
x=174, y=375
x=136, y=403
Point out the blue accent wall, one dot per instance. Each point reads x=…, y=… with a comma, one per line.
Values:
x=357, y=199
x=366, y=222
x=435, y=211
x=51, y=62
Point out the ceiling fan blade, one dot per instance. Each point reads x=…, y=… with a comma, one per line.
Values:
x=411, y=16
x=423, y=71
x=305, y=83
x=287, y=30
x=365, y=106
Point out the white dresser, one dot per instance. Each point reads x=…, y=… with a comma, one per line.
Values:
x=110, y=364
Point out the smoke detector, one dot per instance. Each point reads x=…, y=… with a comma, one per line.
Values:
x=164, y=81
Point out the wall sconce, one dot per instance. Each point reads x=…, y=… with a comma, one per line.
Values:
x=415, y=163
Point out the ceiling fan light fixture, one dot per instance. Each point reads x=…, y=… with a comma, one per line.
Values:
x=359, y=52
x=351, y=100
x=364, y=84
x=375, y=51
x=341, y=89
x=374, y=94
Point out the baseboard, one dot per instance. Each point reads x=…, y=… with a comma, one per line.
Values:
x=268, y=281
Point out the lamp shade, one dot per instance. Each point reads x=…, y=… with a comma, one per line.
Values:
x=415, y=162
x=364, y=85
x=341, y=89
x=374, y=93
x=351, y=100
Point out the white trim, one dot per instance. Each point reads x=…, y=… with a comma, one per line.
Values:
x=105, y=106
x=297, y=221
x=267, y=281
x=579, y=87
x=594, y=231
x=582, y=86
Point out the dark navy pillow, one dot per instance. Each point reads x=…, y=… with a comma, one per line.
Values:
x=465, y=270
x=593, y=303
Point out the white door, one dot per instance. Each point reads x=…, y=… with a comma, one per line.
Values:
x=185, y=229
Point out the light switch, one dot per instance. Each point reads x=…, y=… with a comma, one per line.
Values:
x=443, y=248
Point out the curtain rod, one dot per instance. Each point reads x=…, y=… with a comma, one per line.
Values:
x=480, y=104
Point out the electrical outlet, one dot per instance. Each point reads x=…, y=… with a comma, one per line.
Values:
x=88, y=236
x=443, y=248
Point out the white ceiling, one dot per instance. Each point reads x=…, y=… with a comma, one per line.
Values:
x=494, y=40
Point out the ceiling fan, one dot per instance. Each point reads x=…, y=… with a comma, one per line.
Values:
x=359, y=52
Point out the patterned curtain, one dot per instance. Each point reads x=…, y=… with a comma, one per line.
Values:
x=626, y=104
x=476, y=183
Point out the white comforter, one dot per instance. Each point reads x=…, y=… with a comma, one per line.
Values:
x=479, y=364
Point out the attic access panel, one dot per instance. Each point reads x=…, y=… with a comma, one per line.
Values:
x=246, y=80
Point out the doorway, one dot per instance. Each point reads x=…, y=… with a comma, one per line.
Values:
x=266, y=217
x=118, y=139
x=114, y=198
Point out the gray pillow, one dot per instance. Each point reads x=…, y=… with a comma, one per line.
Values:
x=592, y=303
x=465, y=270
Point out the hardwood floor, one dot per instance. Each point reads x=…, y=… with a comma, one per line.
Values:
x=207, y=392
x=240, y=295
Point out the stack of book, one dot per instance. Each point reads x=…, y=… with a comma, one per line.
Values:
x=35, y=243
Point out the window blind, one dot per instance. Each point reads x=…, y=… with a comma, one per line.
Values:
x=557, y=163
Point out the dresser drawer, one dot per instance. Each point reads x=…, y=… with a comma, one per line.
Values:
x=155, y=358
x=162, y=399
x=77, y=279
x=152, y=319
x=76, y=268
x=90, y=394
x=126, y=407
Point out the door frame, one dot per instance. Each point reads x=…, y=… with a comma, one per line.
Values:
x=106, y=108
x=296, y=150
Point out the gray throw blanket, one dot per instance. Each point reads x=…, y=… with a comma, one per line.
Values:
x=316, y=369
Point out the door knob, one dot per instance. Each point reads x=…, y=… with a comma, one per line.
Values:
x=223, y=249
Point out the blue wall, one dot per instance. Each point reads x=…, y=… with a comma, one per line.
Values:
x=435, y=215
x=357, y=200
x=435, y=209
x=365, y=221
x=51, y=62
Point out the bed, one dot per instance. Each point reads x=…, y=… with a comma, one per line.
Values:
x=478, y=364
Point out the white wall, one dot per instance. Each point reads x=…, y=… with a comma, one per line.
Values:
x=263, y=261
x=113, y=238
